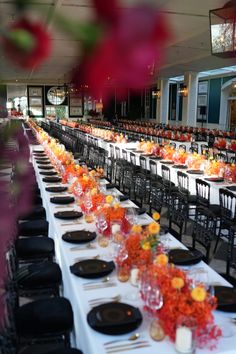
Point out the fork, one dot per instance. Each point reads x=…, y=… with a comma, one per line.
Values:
x=100, y=286
x=72, y=223
x=116, y=298
x=88, y=246
x=84, y=258
x=64, y=206
x=104, y=298
x=129, y=346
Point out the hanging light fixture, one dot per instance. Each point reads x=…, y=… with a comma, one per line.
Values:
x=223, y=30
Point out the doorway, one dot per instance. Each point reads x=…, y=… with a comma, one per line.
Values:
x=232, y=117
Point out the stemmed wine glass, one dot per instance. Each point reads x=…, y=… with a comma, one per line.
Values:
x=102, y=225
x=88, y=204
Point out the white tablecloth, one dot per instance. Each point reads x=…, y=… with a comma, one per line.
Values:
x=89, y=341
x=215, y=186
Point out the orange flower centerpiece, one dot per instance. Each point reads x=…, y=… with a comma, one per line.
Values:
x=140, y=246
x=214, y=168
x=195, y=161
x=180, y=299
x=230, y=173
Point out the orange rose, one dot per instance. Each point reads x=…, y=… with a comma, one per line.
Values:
x=177, y=283
x=146, y=246
x=198, y=294
x=161, y=259
x=156, y=216
x=153, y=228
x=109, y=199
x=136, y=229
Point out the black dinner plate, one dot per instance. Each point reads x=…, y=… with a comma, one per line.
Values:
x=155, y=157
x=59, y=189
x=232, y=188
x=139, y=211
x=68, y=214
x=62, y=200
x=167, y=162
x=214, y=179
x=41, y=158
x=123, y=198
x=111, y=185
x=42, y=167
x=114, y=318
x=48, y=173
x=185, y=257
x=195, y=172
x=35, y=151
x=40, y=162
x=92, y=268
x=226, y=298
x=52, y=179
x=40, y=155
x=181, y=167
x=79, y=236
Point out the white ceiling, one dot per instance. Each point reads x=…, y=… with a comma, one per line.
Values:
x=189, y=49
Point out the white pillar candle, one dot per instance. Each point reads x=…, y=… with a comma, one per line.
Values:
x=134, y=276
x=183, y=340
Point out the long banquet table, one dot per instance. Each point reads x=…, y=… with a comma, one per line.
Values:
x=85, y=338
x=215, y=186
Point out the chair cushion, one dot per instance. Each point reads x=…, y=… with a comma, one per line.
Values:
x=65, y=351
x=37, y=200
x=44, y=316
x=39, y=275
x=192, y=199
x=49, y=348
x=38, y=212
x=33, y=228
x=34, y=247
x=215, y=208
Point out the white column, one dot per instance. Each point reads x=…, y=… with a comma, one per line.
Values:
x=158, y=100
x=189, y=114
x=164, y=101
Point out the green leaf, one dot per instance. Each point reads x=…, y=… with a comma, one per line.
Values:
x=22, y=39
x=87, y=33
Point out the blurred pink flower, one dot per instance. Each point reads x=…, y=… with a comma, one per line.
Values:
x=27, y=43
x=16, y=199
x=125, y=56
x=106, y=10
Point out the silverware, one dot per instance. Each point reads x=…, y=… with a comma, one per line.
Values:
x=72, y=223
x=100, y=299
x=127, y=348
x=128, y=344
x=64, y=206
x=100, y=286
x=132, y=337
x=89, y=245
x=94, y=304
x=104, y=280
x=83, y=258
